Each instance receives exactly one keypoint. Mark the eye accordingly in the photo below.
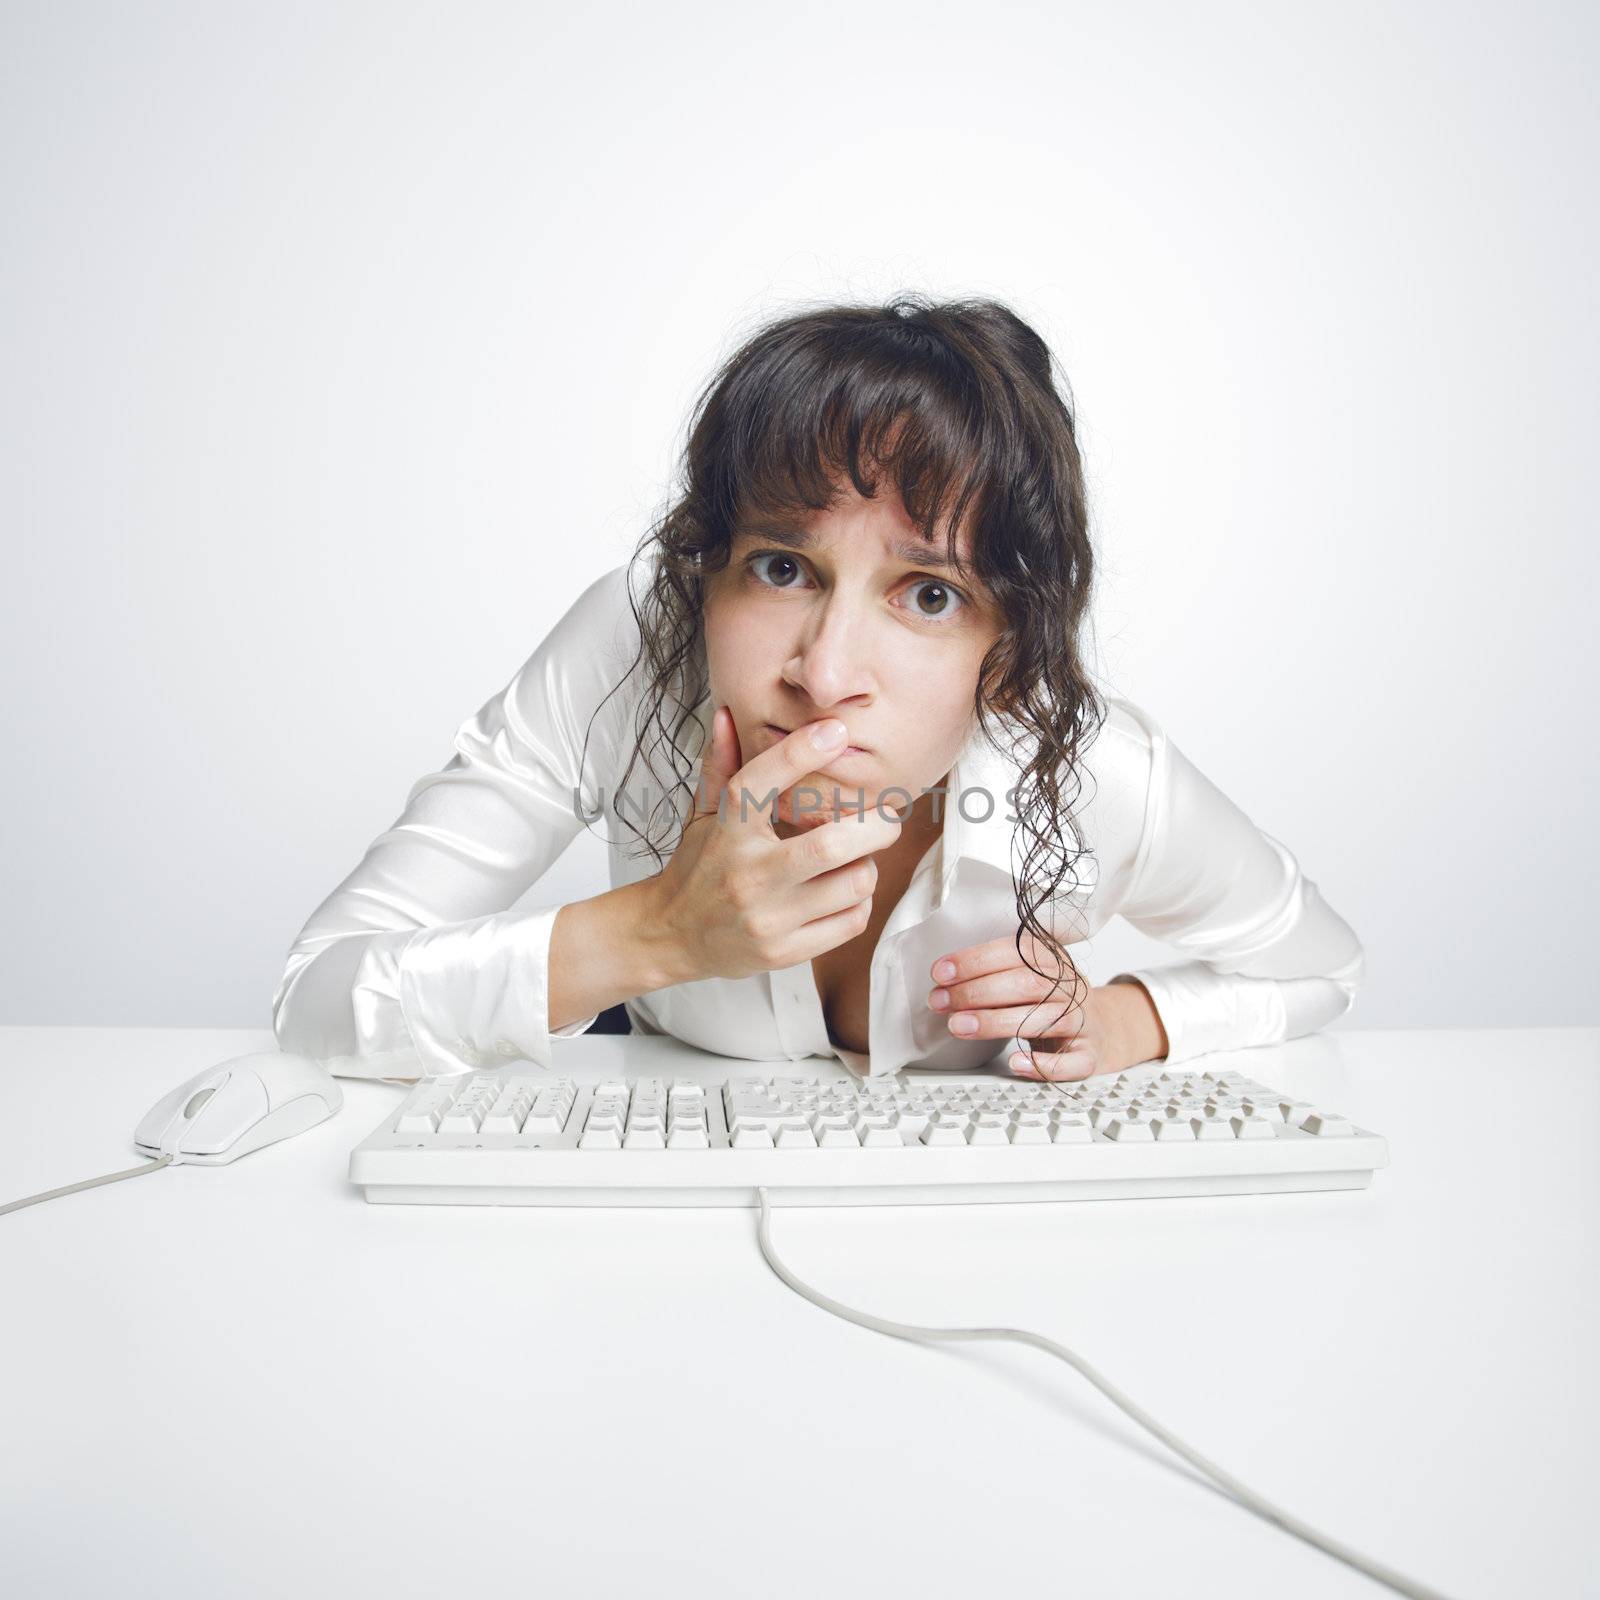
(943, 592)
(781, 559)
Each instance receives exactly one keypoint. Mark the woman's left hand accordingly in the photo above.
(990, 994)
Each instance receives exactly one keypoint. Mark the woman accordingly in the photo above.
(881, 531)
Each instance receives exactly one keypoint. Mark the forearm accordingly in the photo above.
(606, 950)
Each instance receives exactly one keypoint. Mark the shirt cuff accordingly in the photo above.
(477, 994)
(1204, 1010)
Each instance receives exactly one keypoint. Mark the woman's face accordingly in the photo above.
(849, 613)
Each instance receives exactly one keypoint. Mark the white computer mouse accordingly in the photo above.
(237, 1106)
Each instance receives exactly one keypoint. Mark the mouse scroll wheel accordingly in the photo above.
(198, 1100)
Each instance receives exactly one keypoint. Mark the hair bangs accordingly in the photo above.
(881, 407)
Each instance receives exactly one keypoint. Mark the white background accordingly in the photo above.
(343, 345)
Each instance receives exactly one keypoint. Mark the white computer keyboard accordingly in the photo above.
(711, 1135)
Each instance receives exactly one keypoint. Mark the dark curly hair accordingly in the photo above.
(956, 403)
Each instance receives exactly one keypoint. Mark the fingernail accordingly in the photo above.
(827, 734)
(1022, 1064)
(964, 1022)
(945, 971)
(939, 999)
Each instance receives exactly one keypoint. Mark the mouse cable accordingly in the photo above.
(1246, 1497)
(89, 1183)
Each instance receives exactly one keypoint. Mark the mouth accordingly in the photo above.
(849, 749)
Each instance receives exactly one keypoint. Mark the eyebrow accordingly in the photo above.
(912, 551)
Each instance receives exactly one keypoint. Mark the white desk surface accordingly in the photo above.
(246, 1381)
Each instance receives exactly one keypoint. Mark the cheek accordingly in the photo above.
(935, 703)
(729, 648)
(733, 621)
(739, 659)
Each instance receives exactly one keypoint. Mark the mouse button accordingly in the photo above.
(235, 1107)
(166, 1121)
(287, 1077)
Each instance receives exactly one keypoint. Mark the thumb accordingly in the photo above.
(719, 761)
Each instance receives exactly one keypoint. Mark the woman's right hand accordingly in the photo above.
(735, 899)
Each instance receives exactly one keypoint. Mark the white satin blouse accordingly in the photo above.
(423, 959)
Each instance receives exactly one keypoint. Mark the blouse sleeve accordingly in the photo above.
(1268, 958)
(415, 960)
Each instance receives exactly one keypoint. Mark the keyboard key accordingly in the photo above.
(838, 1138)
(992, 1132)
(1327, 1126)
(508, 1120)
(1264, 1106)
(1072, 1130)
(876, 1137)
(1127, 1130)
(1246, 1127)
(512, 1105)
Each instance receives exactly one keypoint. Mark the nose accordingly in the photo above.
(830, 666)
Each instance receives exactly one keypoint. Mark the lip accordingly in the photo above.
(849, 749)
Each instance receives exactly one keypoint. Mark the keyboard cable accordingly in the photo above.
(1246, 1497)
(910, 1330)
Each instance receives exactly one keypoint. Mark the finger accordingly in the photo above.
(822, 797)
(960, 966)
(756, 786)
(812, 855)
(1006, 1022)
(1071, 1065)
(835, 890)
(815, 938)
(1014, 986)
(718, 763)
(993, 955)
